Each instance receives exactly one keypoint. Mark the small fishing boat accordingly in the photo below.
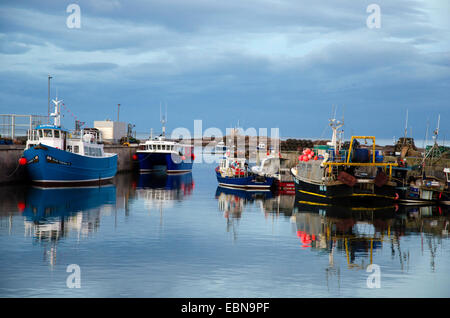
(333, 175)
(159, 153)
(235, 173)
(428, 186)
(55, 157)
(273, 165)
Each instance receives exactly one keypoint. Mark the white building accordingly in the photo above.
(112, 131)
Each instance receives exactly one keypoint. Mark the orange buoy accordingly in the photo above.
(135, 157)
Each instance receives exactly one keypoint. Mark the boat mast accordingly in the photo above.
(163, 119)
(56, 114)
(431, 153)
(406, 124)
(436, 131)
(335, 125)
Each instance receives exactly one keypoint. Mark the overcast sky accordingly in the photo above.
(266, 63)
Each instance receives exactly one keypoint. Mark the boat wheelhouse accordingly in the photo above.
(55, 156)
(220, 148)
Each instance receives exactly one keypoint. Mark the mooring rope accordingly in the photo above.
(18, 165)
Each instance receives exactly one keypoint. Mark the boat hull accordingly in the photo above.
(423, 196)
(171, 163)
(55, 167)
(251, 182)
(341, 193)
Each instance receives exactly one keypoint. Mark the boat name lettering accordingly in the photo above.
(53, 160)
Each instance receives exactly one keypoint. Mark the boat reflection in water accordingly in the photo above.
(50, 214)
(358, 233)
(232, 202)
(159, 190)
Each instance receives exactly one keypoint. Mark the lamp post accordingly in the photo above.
(118, 110)
(48, 108)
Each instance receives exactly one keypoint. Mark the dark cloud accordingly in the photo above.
(267, 63)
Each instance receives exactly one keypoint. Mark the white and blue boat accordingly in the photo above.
(159, 153)
(235, 173)
(55, 157)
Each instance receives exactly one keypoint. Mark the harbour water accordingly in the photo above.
(181, 236)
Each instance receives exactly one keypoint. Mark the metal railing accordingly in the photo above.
(13, 125)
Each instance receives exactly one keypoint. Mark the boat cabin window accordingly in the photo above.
(40, 133)
(48, 133)
(76, 149)
(69, 148)
(56, 133)
(92, 151)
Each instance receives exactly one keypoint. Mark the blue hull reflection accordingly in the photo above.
(160, 180)
(46, 203)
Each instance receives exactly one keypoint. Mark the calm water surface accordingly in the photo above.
(181, 236)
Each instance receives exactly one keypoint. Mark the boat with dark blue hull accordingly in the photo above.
(159, 153)
(54, 157)
(234, 173)
(165, 155)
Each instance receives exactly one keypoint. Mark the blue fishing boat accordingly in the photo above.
(55, 157)
(235, 173)
(160, 153)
